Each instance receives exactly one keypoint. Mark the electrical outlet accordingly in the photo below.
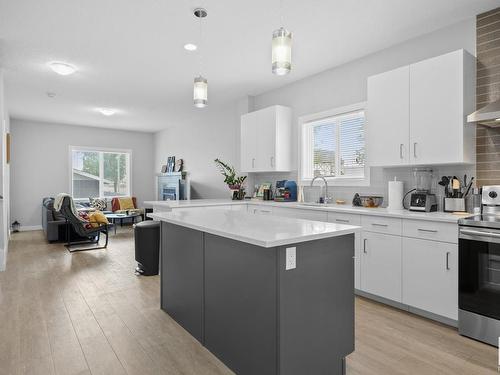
(291, 258)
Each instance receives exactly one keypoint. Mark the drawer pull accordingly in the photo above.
(342, 220)
(364, 246)
(427, 230)
(447, 261)
(380, 225)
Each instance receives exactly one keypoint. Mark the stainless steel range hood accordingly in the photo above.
(488, 115)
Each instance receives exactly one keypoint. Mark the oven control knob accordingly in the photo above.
(493, 194)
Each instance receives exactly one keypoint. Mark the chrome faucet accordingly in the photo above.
(326, 198)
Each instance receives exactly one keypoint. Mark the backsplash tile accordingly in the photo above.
(488, 90)
(379, 177)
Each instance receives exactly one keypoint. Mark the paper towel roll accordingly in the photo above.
(395, 189)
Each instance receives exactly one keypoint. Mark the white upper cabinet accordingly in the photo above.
(266, 140)
(417, 114)
(388, 118)
(441, 96)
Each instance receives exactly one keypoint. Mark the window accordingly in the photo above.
(333, 145)
(99, 173)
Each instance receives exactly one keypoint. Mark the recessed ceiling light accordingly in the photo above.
(190, 47)
(62, 68)
(107, 111)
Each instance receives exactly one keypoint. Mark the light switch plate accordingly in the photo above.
(291, 258)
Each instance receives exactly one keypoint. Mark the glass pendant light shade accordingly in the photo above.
(282, 51)
(200, 92)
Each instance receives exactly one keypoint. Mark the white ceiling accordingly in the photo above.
(130, 53)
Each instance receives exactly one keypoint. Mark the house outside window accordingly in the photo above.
(99, 172)
(332, 145)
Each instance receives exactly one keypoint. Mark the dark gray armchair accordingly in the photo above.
(53, 223)
(91, 234)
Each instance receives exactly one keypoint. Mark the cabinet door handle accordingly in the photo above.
(415, 150)
(447, 261)
(342, 220)
(427, 230)
(253, 162)
(272, 161)
(380, 225)
(401, 151)
(364, 246)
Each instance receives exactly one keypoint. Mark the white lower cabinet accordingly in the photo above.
(381, 265)
(430, 276)
(351, 219)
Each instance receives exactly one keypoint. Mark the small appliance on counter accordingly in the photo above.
(479, 270)
(421, 198)
(286, 191)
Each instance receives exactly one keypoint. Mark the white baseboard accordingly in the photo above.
(26, 228)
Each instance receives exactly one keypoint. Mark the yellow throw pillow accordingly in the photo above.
(126, 203)
(97, 218)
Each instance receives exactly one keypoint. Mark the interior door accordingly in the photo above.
(436, 110)
(430, 276)
(248, 142)
(381, 265)
(266, 140)
(388, 118)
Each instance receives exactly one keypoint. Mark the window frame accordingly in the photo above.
(101, 172)
(304, 147)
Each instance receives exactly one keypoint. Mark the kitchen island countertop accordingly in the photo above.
(264, 231)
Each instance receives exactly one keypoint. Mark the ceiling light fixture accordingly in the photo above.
(62, 68)
(200, 87)
(281, 49)
(107, 111)
(190, 47)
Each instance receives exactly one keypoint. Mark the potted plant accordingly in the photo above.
(235, 183)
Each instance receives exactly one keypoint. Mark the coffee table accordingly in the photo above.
(120, 217)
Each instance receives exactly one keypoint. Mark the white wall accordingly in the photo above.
(210, 134)
(40, 162)
(346, 85)
(5, 179)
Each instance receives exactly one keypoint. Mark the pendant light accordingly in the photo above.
(200, 88)
(281, 49)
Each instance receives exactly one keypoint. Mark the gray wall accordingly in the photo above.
(346, 85)
(40, 162)
(212, 132)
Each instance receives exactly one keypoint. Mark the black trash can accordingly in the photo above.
(147, 247)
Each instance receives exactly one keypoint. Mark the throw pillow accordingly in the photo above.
(97, 218)
(126, 203)
(98, 203)
(85, 216)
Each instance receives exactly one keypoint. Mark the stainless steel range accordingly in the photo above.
(479, 271)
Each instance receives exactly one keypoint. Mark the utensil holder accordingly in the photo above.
(454, 205)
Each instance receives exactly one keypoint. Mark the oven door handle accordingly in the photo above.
(471, 232)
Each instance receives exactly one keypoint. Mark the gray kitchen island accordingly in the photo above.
(266, 295)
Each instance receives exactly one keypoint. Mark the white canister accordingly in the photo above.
(395, 189)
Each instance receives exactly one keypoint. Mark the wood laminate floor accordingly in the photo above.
(87, 313)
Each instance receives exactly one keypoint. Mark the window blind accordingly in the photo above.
(335, 146)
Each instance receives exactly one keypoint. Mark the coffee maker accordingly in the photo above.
(421, 198)
(286, 191)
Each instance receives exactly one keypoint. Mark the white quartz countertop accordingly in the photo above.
(403, 214)
(260, 230)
